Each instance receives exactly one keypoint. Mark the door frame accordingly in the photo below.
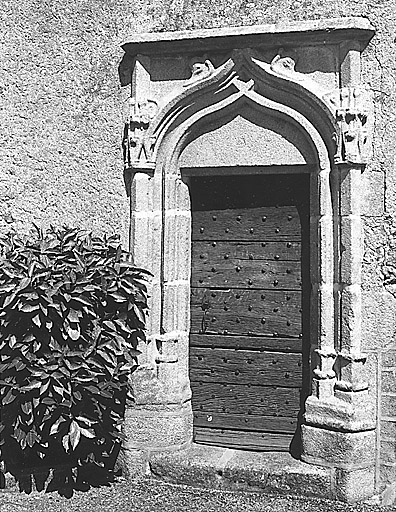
(161, 231)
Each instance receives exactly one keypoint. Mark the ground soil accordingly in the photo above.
(151, 495)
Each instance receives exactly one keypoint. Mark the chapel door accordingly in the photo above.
(249, 308)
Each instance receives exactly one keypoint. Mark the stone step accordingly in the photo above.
(228, 469)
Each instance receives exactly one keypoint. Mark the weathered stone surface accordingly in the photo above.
(356, 485)
(351, 228)
(133, 463)
(62, 163)
(276, 473)
(351, 317)
(353, 413)
(388, 381)
(223, 468)
(378, 321)
(372, 376)
(353, 375)
(388, 451)
(323, 389)
(255, 32)
(389, 358)
(373, 188)
(388, 495)
(248, 139)
(347, 450)
(351, 187)
(199, 466)
(177, 306)
(156, 427)
(375, 246)
(388, 405)
(388, 481)
(388, 429)
(176, 384)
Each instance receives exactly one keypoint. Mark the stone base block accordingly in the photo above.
(353, 486)
(276, 473)
(158, 427)
(344, 450)
(133, 463)
(152, 429)
(166, 384)
(355, 415)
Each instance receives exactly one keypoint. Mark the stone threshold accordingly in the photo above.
(239, 470)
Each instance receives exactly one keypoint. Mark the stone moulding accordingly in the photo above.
(271, 35)
(240, 70)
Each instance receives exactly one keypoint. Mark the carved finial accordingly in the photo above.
(201, 67)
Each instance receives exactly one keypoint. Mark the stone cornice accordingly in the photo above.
(333, 30)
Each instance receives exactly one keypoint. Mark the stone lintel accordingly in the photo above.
(332, 30)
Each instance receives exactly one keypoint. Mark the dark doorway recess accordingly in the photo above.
(249, 340)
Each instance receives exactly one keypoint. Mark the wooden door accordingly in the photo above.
(249, 287)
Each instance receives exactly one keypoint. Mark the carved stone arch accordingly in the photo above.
(192, 110)
(335, 125)
(233, 105)
(298, 98)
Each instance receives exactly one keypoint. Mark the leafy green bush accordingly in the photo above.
(72, 311)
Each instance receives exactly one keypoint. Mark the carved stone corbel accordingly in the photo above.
(352, 108)
(137, 144)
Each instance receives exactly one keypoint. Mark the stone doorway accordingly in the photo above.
(262, 100)
(249, 337)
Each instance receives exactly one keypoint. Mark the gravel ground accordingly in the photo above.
(151, 495)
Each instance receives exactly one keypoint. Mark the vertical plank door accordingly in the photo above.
(250, 273)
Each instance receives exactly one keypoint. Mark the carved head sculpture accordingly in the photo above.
(201, 67)
(148, 109)
(142, 111)
(285, 61)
